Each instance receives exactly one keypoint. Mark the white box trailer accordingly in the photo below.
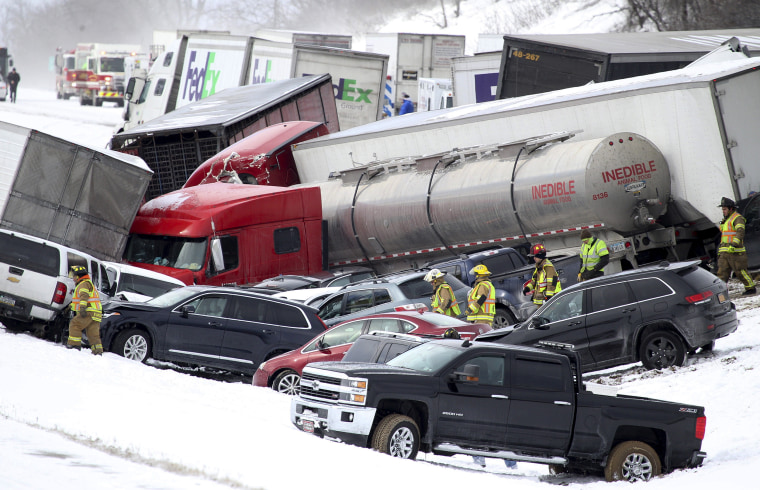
(67, 193)
(703, 118)
(434, 94)
(411, 57)
(475, 77)
(358, 80)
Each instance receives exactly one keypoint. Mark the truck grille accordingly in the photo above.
(173, 162)
(320, 387)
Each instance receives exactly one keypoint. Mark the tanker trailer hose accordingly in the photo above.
(512, 195)
(427, 208)
(353, 224)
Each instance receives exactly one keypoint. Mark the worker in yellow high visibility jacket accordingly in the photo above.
(443, 300)
(594, 256)
(88, 312)
(481, 300)
(545, 282)
(732, 256)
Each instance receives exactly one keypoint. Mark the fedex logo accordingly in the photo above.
(200, 78)
(345, 90)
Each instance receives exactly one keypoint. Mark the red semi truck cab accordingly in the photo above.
(229, 234)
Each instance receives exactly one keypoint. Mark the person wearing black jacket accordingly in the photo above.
(13, 79)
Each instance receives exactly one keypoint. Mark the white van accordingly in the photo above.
(35, 288)
(129, 283)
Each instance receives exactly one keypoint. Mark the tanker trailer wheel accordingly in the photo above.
(503, 318)
(632, 461)
(662, 349)
(397, 435)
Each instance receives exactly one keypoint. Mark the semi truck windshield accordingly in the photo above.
(179, 253)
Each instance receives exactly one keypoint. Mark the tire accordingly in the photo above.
(632, 461)
(133, 344)
(397, 435)
(98, 102)
(662, 349)
(503, 318)
(557, 469)
(288, 382)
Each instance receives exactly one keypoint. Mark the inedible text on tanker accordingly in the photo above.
(555, 192)
(630, 173)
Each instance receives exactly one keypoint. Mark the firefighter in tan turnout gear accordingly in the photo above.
(545, 282)
(443, 300)
(87, 312)
(481, 300)
(732, 256)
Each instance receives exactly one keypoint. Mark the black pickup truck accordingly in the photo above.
(509, 270)
(520, 403)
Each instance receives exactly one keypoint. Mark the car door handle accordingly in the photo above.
(503, 397)
(268, 332)
(560, 402)
(215, 324)
(629, 310)
(575, 323)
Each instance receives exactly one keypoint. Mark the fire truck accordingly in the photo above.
(99, 73)
(65, 62)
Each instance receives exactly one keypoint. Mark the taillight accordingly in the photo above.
(699, 433)
(697, 299)
(60, 293)
(418, 307)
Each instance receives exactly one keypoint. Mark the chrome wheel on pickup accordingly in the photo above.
(397, 435)
(632, 461)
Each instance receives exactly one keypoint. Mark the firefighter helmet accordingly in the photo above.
(538, 250)
(480, 270)
(78, 271)
(727, 203)
(433, 275)
(450, 333)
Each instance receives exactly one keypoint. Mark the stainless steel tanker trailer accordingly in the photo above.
(402, 212)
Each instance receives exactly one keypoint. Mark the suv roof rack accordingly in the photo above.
(556, 345)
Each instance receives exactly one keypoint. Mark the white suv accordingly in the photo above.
(35, 288)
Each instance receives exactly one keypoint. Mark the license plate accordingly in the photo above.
(308, 426)
(7, 301)
(618, 246)
(721, 297)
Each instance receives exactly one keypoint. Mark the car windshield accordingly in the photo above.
(179, 253)
(426, 358)
(172, 297)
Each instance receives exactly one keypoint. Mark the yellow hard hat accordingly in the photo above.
(480, 270)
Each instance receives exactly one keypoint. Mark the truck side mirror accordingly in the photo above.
(217, 258)
(470, 373)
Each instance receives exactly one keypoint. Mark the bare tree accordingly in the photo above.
(673, 15)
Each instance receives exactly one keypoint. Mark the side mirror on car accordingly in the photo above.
(186, 310)
(470, 373)
(538, 323)
(321, 343)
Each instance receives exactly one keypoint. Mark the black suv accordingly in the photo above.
(222, 328)
(654, 314)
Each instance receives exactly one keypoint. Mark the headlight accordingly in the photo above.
(354, 391)
(358, 383)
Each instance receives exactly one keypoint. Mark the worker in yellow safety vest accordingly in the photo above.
(732, 256)
(481, 300)
(594, 256)
(545, 282)
(443, 300)
(87, 310)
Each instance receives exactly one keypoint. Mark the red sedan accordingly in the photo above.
(283, 373)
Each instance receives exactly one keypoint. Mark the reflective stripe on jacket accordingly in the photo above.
(94, 307)
(732, 234)
(481, 313)
(591, 253)
(453, 309)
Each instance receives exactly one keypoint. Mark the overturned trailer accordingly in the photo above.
(702, 118)
(68, 193)
(177, 143)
